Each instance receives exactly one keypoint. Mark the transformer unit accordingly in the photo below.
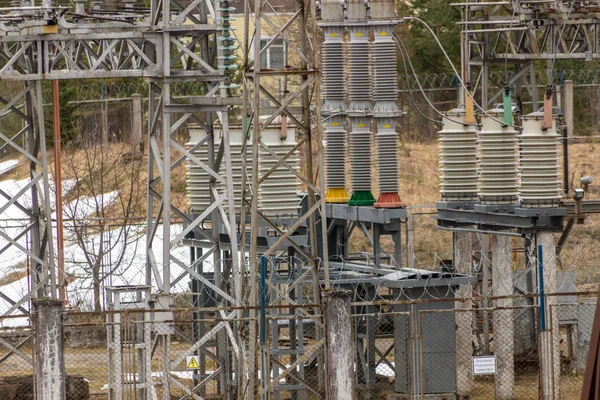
(540, 186)
(198, 189)
(498, 157)
(278, 195)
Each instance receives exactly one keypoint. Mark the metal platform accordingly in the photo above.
(488, 218)
(374, 222)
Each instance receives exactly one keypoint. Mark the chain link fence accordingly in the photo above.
(399, 349)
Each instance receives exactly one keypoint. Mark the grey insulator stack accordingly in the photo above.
(385, 74)
(387, 149)
(279, 192)
(198, 180)
(498, 156)
(540, 184)
(332, 71)
(335, 137)
(198, 190)
(359, 78)
(359, 96)
(360, 154)
(458, 158)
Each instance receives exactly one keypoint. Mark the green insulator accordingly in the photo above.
(226, 9)
(231, 57)
(226, 19)
(226, 28)
(361, 198)
(232, 66)
(225, 48)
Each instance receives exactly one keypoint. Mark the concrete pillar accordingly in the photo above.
(136, 122)
(569, 109)
(546, 240)
(340, 363)
(49, 362)
(502, 285)
(80, 6)
(462, 243)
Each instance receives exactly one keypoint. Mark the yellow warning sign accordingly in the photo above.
(382, 33)
(359, 34)
(192, 362)
(335, 123)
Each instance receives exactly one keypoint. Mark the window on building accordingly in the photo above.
(275, 57)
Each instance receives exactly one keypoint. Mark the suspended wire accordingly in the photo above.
(410, 91)
(462, 83)
(507, 42)
(405, 58)
(562, 31)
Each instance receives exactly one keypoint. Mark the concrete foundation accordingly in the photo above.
(502, 285)
(22, 388)
(49, 362)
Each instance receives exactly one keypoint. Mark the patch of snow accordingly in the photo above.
(6, 166)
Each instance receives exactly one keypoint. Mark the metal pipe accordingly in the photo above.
(541, 288)
(60, 251)
(263, 300)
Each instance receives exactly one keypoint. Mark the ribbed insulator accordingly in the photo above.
(227, 58)
(387, 150)
(360, 154)
(498, 157)
(279, 192)
(385, 75)
(540, 184)
(332, 71)
(359, 79)
(198, 185)
(458, 158)
(198, 190)
(335, 162)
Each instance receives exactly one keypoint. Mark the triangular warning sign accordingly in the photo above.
(193, 364)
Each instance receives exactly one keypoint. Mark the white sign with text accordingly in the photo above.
(484, 365)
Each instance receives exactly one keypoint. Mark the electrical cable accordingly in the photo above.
(562, 31)
(406, 57)
(456, 72)
(412, 99)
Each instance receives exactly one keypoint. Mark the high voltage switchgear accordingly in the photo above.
(358, 40)
(498, 158)
(540, 186)
(458, 158)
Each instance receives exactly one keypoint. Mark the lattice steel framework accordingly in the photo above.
(299, 32)
(518, 33)
(168, 43)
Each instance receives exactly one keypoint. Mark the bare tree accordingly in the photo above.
(101, 208)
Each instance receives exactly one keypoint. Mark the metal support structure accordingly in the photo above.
(300, 74)
(517, 33)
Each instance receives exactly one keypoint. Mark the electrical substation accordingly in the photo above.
(285, 118)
